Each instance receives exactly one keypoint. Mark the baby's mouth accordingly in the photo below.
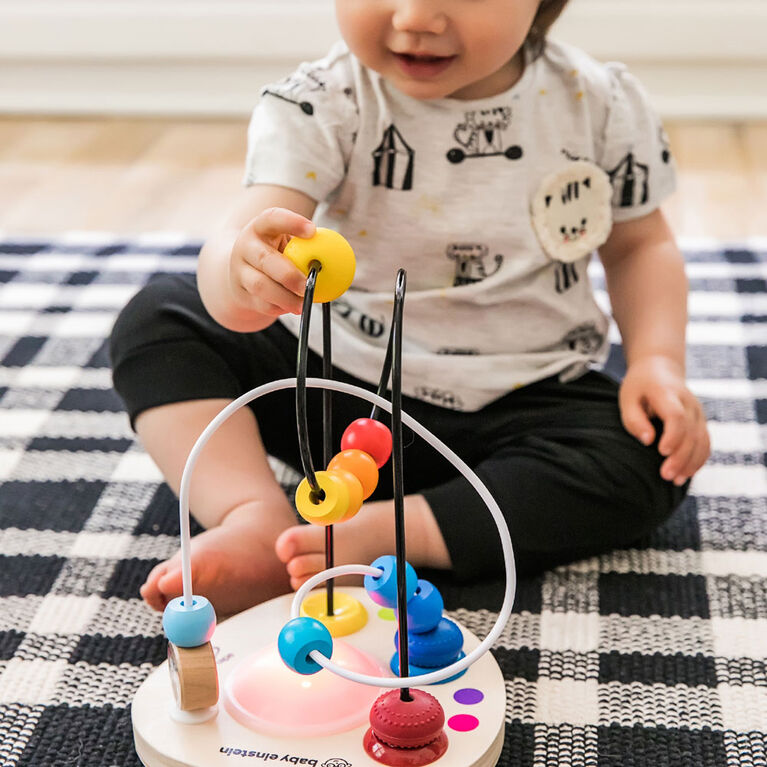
(423, 65)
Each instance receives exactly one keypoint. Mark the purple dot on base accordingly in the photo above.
(468, 696)
(463, 722)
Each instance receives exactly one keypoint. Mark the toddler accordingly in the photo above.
(451, 138)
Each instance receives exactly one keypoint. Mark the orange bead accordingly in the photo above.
(332, 507)
(355, 493)
(359, 463)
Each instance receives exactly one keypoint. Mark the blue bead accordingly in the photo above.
(424, 610)
(298, 638)
(189, 628)
(419, 670)
(383, 589)
(435, 648)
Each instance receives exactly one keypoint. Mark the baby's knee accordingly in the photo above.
(145, 318)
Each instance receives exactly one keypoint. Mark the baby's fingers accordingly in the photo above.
(673, 468)
(274, 222)
(699, 455)
(276, 267)
(266, 295)
(675, 422)
(635, 419)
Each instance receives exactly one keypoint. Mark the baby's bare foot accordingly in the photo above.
(366, 536)
(302, 549)
(369, 534)
(234, 565)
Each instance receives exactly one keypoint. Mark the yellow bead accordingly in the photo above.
(332, 507)
(336, 258)
(359, 463)
(355, 492)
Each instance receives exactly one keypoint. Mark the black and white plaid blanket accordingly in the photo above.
(650, 656)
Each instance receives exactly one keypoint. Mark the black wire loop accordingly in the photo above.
(397, 472)
(392, 365)
(317, 494)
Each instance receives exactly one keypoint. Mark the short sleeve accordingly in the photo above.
(302, 131)
(635, 149)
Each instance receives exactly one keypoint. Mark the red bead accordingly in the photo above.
(407, 724)
(370, 436)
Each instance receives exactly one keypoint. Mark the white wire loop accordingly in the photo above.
(440, 447)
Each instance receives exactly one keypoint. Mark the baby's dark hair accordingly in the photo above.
(547, 14)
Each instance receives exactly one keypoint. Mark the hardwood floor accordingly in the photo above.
(140, 175)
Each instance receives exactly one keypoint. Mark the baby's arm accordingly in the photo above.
(648, 291)
(244, 281)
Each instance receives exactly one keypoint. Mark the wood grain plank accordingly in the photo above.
(131, 175)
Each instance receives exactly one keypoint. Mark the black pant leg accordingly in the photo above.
(166, 348)
(571, 482)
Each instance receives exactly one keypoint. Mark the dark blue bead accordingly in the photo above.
(418, 670)
(424, 610)
(435, 648)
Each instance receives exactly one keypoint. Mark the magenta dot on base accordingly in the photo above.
(463, 722)
(468, 696)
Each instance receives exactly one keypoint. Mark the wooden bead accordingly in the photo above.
(332, 507)
(436, 648)
(355, 493)
(359, 463)
(298, 638)
(382, 589)
(189, 626)
(424, 609)
(336, 259)
(193, 676)
(371, 436)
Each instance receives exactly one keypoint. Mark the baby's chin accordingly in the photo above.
(423, 91)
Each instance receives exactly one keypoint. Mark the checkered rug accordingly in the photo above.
(650, 656)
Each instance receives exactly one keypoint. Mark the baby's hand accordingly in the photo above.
(654, 386)
(261, 278)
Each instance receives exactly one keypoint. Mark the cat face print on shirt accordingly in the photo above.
(571, 211)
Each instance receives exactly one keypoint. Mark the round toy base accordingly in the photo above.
(197, 716)
(474, 730)
(348, 617)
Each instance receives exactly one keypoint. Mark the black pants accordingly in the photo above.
(569, 479)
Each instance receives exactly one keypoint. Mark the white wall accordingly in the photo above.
(698, 58)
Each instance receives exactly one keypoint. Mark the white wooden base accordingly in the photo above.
(162, 741)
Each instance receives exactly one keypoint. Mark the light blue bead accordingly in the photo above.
(435, 648)
(383, 589)
(419, 670)
(298, 638)
(189, 628)
(424, 610)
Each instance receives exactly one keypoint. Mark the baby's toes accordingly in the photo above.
(150, 591)
(299, 540)
(306, 565)
(170, 585)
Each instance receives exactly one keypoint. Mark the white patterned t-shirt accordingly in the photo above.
(492, 206)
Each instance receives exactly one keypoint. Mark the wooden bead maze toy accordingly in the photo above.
(310, 678)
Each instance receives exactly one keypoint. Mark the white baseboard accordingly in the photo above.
(698, 58)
